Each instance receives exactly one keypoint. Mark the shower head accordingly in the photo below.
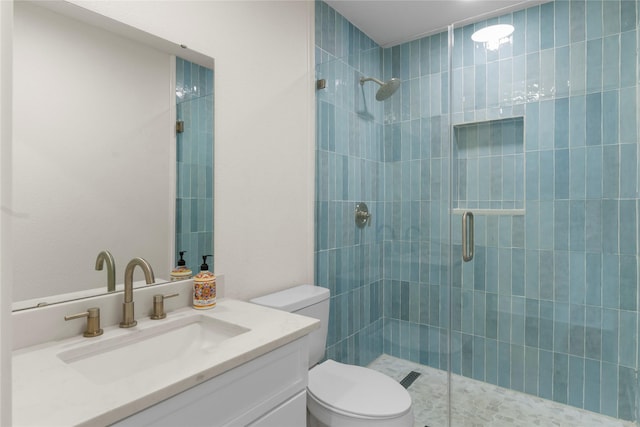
(387, 88)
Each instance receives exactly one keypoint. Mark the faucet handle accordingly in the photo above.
(158, 306)
(93, 321)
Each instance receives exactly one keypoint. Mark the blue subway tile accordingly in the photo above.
(628, 171)
(548, 133)
(504, 364)
(609, 389)
(611, 280)
(561, 164)
(628, 283)
(610, 335)
(593, 333)
(628, 62)
(478, 359)
(578, 67)
(545, 376)
(610, 17)
(560, 377)
(593, 282)
(561, 123)
(611, 171)
(561, 23)
(577, 330)
(611, 62)
(491, 361)
(517, 367)
(545, 325)
(546, 174)
(594, 173)
(561, 328)
(592, 385)
(628, 116)
(577, 20)
(562, 69)
(547, 24)
(628, 15)
(594, 20)
(577, 225)
(576, 381)
(594, 65)
(627, 393)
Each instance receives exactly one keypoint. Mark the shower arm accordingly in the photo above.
(370, 79)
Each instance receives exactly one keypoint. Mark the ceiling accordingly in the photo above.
(391, 22)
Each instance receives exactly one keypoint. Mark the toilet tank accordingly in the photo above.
(306, 300)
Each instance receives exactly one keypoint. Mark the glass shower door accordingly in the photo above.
(544, 165)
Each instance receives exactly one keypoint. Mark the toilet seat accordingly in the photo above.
(357, 392)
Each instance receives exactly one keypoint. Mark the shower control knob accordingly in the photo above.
(362, 215)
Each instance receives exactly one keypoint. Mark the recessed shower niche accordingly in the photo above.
(488, 175)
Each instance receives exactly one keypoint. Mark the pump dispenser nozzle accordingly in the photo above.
(181, 261)
(204, 266)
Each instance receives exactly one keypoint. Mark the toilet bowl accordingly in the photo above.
(341, 395)
(353, 396)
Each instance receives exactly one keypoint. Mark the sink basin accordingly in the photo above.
(133, 351)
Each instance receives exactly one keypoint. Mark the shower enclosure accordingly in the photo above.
(532, 140)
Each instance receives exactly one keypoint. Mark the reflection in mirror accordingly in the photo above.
(194, 202)
(94, 166)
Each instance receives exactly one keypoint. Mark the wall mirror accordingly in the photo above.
(94, 152)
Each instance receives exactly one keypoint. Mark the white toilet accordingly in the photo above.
(340, 395)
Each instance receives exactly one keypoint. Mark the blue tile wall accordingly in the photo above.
(350, 156)
(573, 255)
(194, 195)
(549, 306)
(489, 165)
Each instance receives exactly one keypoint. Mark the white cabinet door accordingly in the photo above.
(237, 397)
(292, 413)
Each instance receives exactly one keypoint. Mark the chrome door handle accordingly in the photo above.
(467, 236)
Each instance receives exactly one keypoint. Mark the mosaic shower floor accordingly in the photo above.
(478, 404)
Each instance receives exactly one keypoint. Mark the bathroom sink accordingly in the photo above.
(136, 350)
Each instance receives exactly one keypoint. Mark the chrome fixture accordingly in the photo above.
(158, 306)
(128, 319)
(105, 256)
(93, 322)
(362, 215)
(321, 84)
(387, 88)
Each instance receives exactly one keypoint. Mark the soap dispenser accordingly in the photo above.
(204, 287)
(181, 272)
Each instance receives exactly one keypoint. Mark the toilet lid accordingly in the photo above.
(357, 390)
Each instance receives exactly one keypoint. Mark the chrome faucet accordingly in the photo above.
(105, 256)
(128, 320)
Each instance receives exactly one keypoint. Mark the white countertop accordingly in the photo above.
(47, 391)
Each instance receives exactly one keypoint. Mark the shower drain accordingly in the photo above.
(409, 379)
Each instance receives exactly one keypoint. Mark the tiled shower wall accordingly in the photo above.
(549, 306)
(194, 199)
(350, 169)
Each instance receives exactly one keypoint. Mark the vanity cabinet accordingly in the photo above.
(267, 391)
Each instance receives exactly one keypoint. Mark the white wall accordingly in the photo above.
(264, 104)
(92, 154)
(6, 41)
(264, 137)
